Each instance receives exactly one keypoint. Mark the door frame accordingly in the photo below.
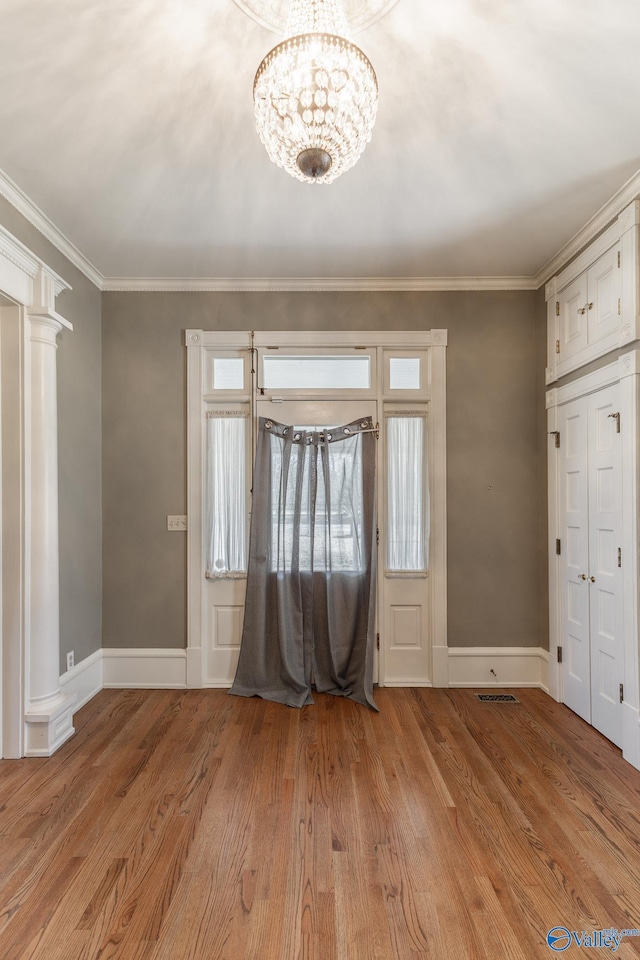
(200, 347)
(625, 370)
(35, 716)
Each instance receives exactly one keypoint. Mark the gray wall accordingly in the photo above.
(495, 438)
(79, 446)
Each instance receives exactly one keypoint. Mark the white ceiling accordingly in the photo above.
(503, 126)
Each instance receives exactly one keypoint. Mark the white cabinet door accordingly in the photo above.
(573, 317)
(587, 319)
(605, 577)
(603, 291)
(590, 494)
(574, 520)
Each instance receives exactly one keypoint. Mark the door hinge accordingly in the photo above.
(621, 692)
(619, 556)
(616, 417)
(377, 536)
(559, 654)
(557, 346)
(377, 641)
(619, 305)
(556, 435)
(558, 547)
(618, 258)
(557, 313)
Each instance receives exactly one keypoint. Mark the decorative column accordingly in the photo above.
(48, 712)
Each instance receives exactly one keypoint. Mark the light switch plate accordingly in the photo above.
(176, 523)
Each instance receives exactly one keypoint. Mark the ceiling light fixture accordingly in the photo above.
(315, 95)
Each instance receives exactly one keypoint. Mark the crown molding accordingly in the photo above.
(18, 199)
(304, 284)
(601, 219)
(605, 215)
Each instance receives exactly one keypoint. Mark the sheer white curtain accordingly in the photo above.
(407, 492)
(225, 499)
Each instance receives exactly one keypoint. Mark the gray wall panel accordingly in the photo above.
(495, 370)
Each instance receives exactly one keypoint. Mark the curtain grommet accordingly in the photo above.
(268, 425)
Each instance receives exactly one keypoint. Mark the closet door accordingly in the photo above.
(605, 577)
(574, 533)
(590, 491)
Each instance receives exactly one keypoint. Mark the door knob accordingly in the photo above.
(582, 576)
(593, 579)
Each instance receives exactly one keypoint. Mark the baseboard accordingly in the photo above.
(631, 734)
(84, 680)
(144, 668)
(159, 668)
(498, 667)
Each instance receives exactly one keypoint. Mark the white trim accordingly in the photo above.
(37, 717)
(607, 212)
(513, 667)
(241, 340)
(31, 212)
(199, 345)
(314, 284)
(84, 680)
(153, 668)
(591, 382)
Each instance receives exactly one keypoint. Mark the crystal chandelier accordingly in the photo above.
(315, 95)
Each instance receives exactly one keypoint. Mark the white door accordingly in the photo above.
(574, 540)
(605, 577)
(224, 601)
(603, 289)
(590, 510)
(573, 321)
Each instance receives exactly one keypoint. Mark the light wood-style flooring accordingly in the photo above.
(191, 825)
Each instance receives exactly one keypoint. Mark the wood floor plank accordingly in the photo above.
(191, 825)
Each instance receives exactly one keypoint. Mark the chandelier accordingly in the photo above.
(315, 95)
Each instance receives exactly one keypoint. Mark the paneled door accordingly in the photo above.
(590, 491)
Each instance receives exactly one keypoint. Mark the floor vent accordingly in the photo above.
(497, 697)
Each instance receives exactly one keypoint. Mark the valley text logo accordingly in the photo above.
(559, 938)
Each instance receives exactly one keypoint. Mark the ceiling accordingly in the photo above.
(503, 126)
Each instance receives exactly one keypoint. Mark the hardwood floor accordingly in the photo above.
(190, 825)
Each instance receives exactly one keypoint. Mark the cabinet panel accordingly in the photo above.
(604, 292)
(573, 318)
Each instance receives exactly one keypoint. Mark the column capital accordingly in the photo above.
(48, 317)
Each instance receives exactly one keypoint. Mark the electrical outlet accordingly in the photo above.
(70, 660)
(176, 523)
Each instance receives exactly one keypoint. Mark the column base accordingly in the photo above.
(48, 725)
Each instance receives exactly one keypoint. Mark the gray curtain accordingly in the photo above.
(310, 604)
